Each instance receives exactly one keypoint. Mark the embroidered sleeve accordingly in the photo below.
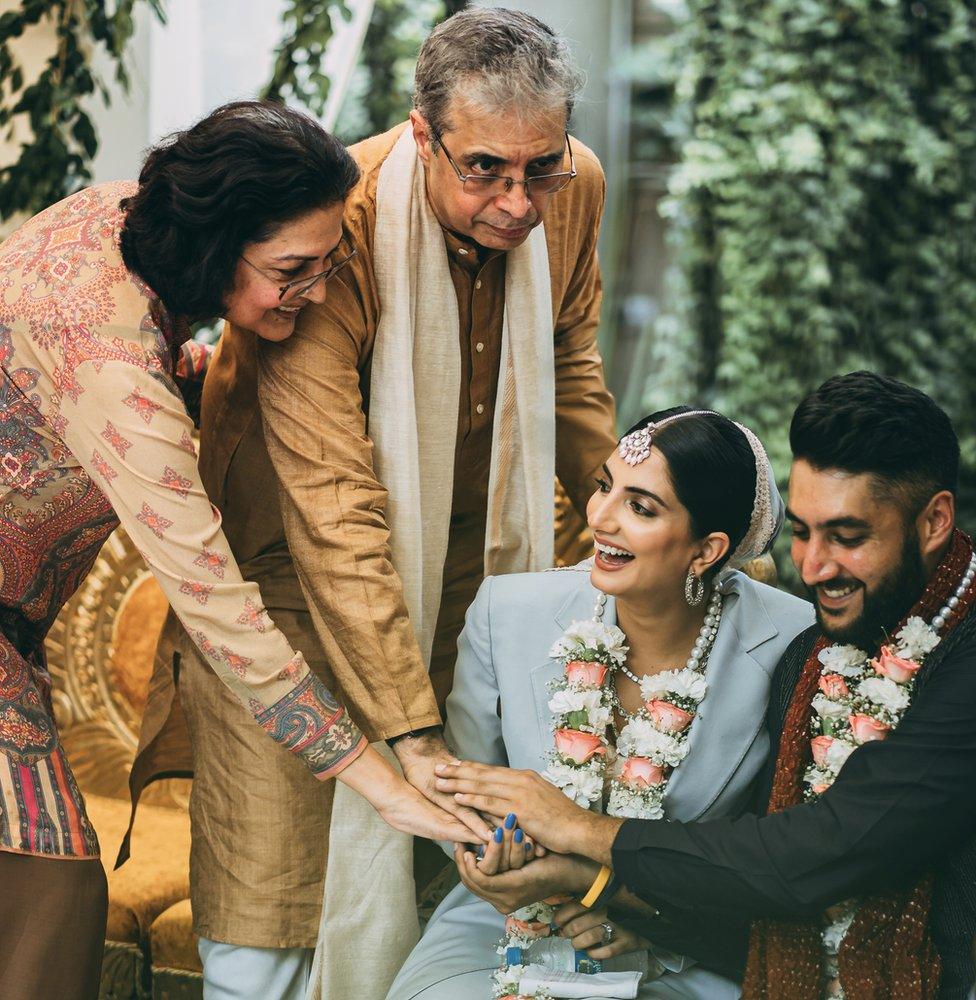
(132, 435)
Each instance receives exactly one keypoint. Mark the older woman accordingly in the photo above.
(675, 728)
(240, 216)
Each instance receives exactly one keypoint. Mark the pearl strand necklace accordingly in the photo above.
(950, 606)
(703, 644)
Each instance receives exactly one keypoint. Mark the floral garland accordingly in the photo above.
(860, 700)
(651, 744)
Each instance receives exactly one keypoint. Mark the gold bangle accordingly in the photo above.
(599, 884)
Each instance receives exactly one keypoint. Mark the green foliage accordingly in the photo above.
(57, 161)
(380, 93)
(383, 89)
(823, 206)
(298, 72)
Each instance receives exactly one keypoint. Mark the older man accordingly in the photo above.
(400, 443)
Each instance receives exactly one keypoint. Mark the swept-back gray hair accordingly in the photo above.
(497, 60)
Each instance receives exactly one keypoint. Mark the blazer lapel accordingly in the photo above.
(578, 606)
(733, 710)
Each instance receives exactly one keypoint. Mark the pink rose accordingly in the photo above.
(584, 674)
(668, 718)
(819, 789)
(641, 772)
(894, 667)
(577, 746)
(866, 729)
(530, 928)
(834, 686)
(820, 747)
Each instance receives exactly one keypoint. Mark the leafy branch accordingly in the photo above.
(57, 161)
(298, 62)
(380, 95)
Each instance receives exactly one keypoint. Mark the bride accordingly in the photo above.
(687, 499)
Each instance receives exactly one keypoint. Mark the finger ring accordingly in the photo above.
(607, 933)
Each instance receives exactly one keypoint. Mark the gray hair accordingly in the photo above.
(502, 60)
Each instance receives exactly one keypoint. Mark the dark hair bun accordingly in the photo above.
(712, 471)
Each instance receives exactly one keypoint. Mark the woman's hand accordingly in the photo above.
(587, 931)
(551, 875)
(508, 849)
(544, 812)
(399, 803)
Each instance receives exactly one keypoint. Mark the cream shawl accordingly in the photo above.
(415, 389)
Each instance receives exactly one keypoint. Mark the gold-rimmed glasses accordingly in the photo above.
(493, 185)
(298, 287)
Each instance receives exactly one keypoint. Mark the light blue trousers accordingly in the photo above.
(236, 972)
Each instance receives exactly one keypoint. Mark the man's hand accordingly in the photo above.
(587, 931)
(543, 811)
(418, 756)
(549, 876)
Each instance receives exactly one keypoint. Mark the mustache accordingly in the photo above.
(507, 224)
(838, 581)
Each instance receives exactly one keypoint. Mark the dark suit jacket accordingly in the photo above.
(899, 808)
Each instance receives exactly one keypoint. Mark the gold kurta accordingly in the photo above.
(304, 513)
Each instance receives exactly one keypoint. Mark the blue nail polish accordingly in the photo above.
(510, 821)
(499, 833)
(528, 846)
(518, 836)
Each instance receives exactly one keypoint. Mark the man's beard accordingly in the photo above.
(885, 606)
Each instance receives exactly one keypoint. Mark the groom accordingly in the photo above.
(872, 505)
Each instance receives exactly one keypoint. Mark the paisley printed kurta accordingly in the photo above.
(93, 432)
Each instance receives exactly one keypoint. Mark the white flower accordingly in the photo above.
(541, 912)
(838, 753)
(828, 709)
(581, 784)
(640, 738)
(915, 639)
(816, 777)
(848, 661)
(634, 804)
(507, 979)
(591, 634)
(567, 700)
(885, 692)
(685, 683)
(590, 700)
(834, 932)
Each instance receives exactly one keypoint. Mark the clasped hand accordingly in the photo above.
(544, 812)
(510, 876)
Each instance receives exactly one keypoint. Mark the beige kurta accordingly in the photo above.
(303, 510)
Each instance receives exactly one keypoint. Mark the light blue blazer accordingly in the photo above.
(498, 713)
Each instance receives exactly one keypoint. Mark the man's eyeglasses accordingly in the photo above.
(493, 185)
(295, 289)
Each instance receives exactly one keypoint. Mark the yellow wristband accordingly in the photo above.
(599, 884)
